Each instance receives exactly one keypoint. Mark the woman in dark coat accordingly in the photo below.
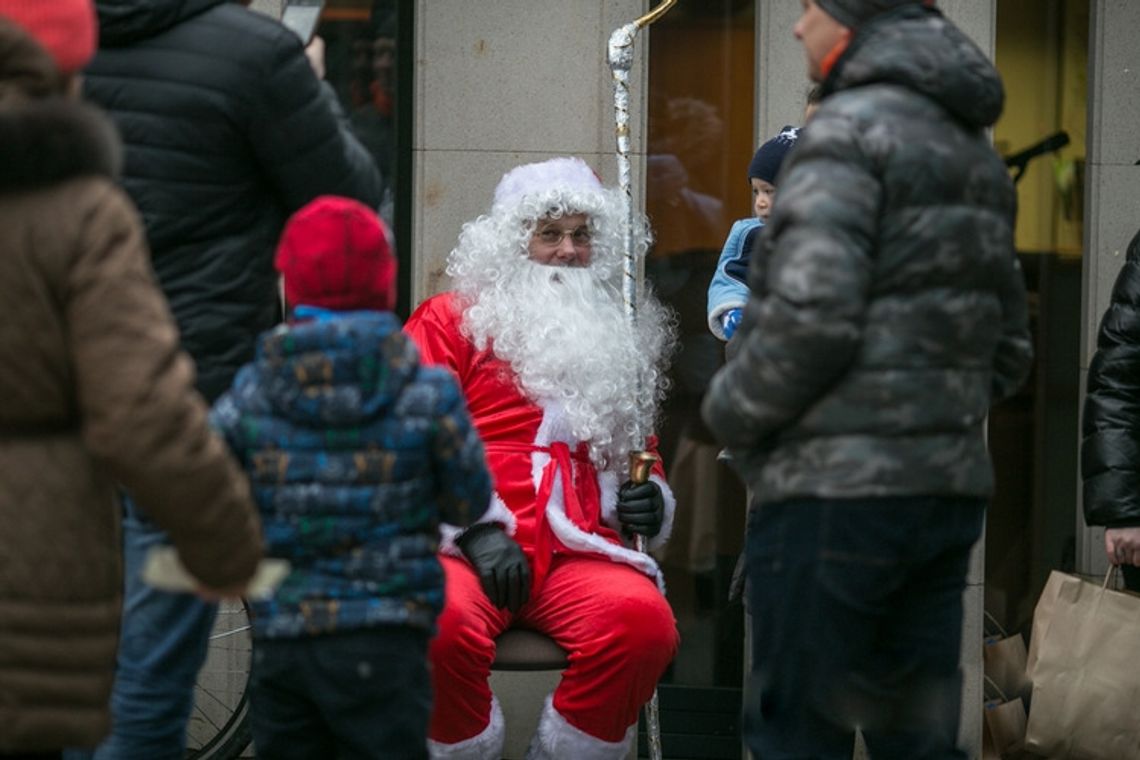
(1110, 445)
(94, 393)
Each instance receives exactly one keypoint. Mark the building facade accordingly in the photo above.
(451, 94)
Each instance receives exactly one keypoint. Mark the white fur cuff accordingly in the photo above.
(497, 512)
(670, 509)
(558, 740)
(486, 745)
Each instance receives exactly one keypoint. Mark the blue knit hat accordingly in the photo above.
(769, 157)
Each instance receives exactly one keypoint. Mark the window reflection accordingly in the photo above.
(700, 139)
(368, 61)
(360, 58)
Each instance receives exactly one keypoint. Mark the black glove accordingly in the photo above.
(500, 563)
(641, 508)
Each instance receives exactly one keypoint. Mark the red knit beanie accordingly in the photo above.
(334, 254)
(65, 28)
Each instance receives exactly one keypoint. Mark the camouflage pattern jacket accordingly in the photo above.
(1110, 461)
(355, 453)
(887, 309)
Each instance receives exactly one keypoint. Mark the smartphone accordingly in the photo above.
(302, 16)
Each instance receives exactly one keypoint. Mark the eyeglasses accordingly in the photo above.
(581, 237)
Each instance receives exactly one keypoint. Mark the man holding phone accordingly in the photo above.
(227, 131)
(302, 16)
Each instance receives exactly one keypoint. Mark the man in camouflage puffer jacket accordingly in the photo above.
(887, 314)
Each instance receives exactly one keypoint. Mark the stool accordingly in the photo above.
(527, 667)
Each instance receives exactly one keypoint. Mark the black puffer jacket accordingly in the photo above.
(227, 132)
(1110, 446)
(888, 310)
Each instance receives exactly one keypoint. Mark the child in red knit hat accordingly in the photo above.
(66, 29)
(335, 255)
(355, 452)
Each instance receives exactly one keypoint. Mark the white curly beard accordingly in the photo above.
(564, 333)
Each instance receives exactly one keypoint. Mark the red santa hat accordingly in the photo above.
(65, 28)
(565, 174)
(335, 254)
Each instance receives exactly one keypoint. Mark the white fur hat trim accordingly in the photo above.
(564, 173)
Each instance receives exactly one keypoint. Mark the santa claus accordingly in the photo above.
(560, 386)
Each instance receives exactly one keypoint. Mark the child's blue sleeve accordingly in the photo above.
(727, 290)
(463, 484)
(225, 416)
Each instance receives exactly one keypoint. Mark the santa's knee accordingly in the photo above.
(463, 644)
(645, 632)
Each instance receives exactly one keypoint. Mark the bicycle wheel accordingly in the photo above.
(219, 723)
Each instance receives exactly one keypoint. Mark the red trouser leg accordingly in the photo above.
(461, 654)
(617, 627)
(620, 633)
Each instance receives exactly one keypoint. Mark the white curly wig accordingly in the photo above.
(587, 365)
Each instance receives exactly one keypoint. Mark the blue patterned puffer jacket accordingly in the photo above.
(355, 453)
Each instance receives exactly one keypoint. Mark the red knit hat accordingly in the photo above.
(334, 254)
(65, 28)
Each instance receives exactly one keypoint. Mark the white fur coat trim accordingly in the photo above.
(554, 427)
(556, 739)
(486, 745)
(608, 487)
(496, 512)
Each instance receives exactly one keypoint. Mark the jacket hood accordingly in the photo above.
(336, 372)
(46, 138)
(918, 48)
(123, 22)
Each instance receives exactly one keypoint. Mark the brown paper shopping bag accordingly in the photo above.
(1003, 718)
(1086, 678)
(1003, 729)
(1042, 614)
(1004, 661)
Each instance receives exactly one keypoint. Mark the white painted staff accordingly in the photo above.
(621, 61)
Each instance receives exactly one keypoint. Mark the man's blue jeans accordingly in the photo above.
(162, 645)
(857, 617)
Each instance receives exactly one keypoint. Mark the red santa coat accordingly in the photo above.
(529, 451)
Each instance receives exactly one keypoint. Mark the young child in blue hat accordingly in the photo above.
(728, 290)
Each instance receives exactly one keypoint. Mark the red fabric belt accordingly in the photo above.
(561, 463)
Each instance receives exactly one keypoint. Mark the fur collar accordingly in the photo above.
(46, 141)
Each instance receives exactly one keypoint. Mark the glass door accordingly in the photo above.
(368, 62)
(700, 139)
